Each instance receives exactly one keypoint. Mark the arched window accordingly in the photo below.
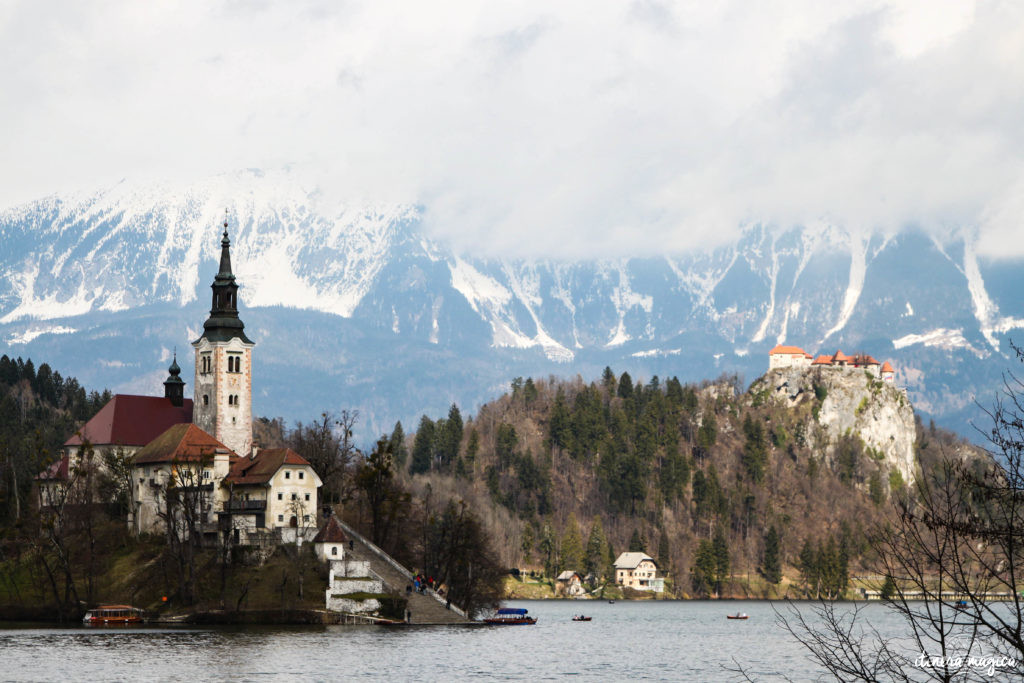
(206, 400)
(334, 550)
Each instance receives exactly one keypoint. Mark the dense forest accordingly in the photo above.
(39, 410)
(726, 490)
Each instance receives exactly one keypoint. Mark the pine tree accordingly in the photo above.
(505, 444)
(707, 435)
(560, 422)
(572, 546)
(423, 447)
(888, 588)
(636, 542)
(702, 575)
(754, 452)
(664, 552)
(529, 538)
(595, 556)
(472, 448)
(721, 551)
(397, 445)
(608, 380)
(530, 392)
(625, 386)
(809, 567)
(450, 438)
(772, 562)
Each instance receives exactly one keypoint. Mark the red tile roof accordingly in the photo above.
(788, 350)
(182, 442)
(822, 360)
(841, 357)
(261, 468)
(331, 533)
(58, 471)
(886, 367)
(129, 420)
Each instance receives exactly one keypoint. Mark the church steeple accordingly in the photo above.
(222, 401)
(174, 386)
(224, 323)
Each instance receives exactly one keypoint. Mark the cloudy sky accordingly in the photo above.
(565, 128)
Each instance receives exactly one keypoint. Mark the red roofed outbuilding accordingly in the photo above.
(888, 373)
(330, 541)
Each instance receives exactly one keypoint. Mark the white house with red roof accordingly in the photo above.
(788, 357)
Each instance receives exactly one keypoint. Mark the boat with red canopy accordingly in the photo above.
(113, 615)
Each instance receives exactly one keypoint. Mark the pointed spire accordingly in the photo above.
(224, 323)
(225, 253)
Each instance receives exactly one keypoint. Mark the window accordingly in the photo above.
(334, 550)
(287, 475)
(307, 496)
(280, 518)
(302, 475)
(294, 496)
(206, 400)
(280, 496)
(305, 518)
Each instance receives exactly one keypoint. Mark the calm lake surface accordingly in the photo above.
(626, 640)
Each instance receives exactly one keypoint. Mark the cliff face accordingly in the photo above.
(850, 401)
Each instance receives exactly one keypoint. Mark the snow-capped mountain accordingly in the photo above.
(353, 307)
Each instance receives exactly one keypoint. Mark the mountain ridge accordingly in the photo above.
(79, 266)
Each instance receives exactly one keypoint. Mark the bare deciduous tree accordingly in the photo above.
(952, 558)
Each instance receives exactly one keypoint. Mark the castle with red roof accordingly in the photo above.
(794, 357)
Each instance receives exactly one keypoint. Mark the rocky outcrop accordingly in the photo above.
(848, 401)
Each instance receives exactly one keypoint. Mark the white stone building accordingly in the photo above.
(638, 571)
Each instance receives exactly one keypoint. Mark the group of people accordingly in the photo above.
(421, 583)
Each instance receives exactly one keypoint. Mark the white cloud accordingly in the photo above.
(568, 128)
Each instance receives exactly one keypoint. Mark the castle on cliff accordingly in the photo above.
(794, 357)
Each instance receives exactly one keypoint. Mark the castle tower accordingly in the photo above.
(222, 405)
(174, 386)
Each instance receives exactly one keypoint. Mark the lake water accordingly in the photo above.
(625, 640)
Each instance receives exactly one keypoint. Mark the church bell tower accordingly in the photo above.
(222, 405)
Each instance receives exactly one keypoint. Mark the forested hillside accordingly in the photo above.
(727, 489)
(39, 409)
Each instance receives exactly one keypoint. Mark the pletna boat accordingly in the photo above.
(580, 617)
(510, 616)
(113, 615)
(736, 616)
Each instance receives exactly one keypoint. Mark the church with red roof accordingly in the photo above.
(200, 448)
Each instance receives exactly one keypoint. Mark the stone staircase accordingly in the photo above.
(426, 608)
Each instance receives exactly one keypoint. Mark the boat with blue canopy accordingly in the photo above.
(511, 616)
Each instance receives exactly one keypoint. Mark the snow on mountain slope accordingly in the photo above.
(91, 266)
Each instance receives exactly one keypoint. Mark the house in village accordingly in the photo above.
(638, 571)
(569, 583)
(794, 357)
(194, 460)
